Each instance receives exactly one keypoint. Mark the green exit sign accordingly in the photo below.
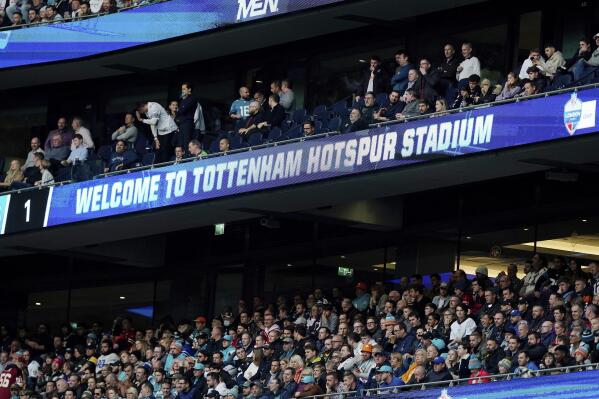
(219, 229)
(345, 271)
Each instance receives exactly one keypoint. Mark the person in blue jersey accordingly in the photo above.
(240, 109)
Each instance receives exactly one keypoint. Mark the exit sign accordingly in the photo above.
(345, 271)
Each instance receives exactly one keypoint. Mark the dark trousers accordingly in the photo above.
(185, 134)
(166, 147)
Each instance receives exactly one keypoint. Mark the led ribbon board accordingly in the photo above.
(134, 27)
(558, 117)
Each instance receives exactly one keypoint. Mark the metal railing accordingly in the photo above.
(82, 18)
(451, 383)
(318, 136)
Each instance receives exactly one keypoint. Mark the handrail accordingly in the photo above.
(317, 136)
(487, 105)
(451, 383)
(40, 187)
(85, 17)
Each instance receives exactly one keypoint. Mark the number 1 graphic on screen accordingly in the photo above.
(27, 206)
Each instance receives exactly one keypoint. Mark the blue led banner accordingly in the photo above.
(557, 117)
(138, 26)
(579, 385)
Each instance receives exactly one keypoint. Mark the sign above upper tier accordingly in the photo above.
(442, 137)
(143, 25)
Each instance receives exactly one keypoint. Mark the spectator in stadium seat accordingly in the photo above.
(14, 174)
(240, 109)
(413, 76)
(17, 19)
(555, 61)
(185, 115)
(35, 148)
(57, 151)
(172, 108)
(510, 89)
(529, 88)
(255, 118)
(428, 84)
(61, 128)
(108, 6)
(369, 108)
(52, 15)
(448, 70)
(584, 53)
(477, 372)
(259, 96)
(78, 128)
(179, 154)
(162, 125)
(439, 371)
(411, 107)
(287, 98)
(127, 132)
(399, 81)
(356, 123)
(486, 93)
(30, 175)
(534, 74)
(309, 129)
(374, 80)
(464, 99)
(423, 107)
(194, 148)
(470, 66)
(534, 59)
(33, 16)
(526, 366)
(83, 11)
(276, 115)
(583, 69)
(121, 158)
(224, 145)
(78, 151)
(389, 109)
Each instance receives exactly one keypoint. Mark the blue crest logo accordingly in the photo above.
(572, 114)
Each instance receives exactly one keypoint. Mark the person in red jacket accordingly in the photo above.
(477, 372)
(125, 338)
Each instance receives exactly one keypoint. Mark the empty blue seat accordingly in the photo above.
(236, 141)
(318, 126)
(334, 124)
(299, 116)
(295, 132)
(255, 139)
(274, 134)
(148, 159)
(381, 98)
(340, 109)
(104, 153)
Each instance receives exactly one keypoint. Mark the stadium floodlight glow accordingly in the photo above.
(584, 220)
(121, 297)
(468, 238)
(219, 229)
(525, 229)
(38, 304)
(362, 61)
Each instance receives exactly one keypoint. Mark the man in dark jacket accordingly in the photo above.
(375, 79)
(428, 83)
(439, 371)
(448, 70)
(121, 158)
(185, 115)
(493, 356)
(356, 123)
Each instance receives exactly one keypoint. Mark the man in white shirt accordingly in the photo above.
(534, 58)
(35, 147)
(470, 66)
(163, 127)
(78, 128)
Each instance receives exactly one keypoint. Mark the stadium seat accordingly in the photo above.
(322, 114)
(340, 109)
(381, 98)
(255, 139)
(141, 144)
(236, 142)
(318, 126)
(299, 116)
(295, 132)
(148, 159)
(274, 134)
(286, 125)
(334, 125)
(104, 153)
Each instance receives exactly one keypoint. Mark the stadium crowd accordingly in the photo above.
(324, 342)
(152, 133)
(24, 13)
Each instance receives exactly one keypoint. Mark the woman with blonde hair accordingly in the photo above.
(13, 174)
(131, 393)
(418, 360)
(297, 364)
(452, 363)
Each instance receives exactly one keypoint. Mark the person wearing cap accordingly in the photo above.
(439, 371)
(310, 387)
(198, 381)
(228, 350)
(362, 299)
(387, 379)
(365, 364)
(380, 359)
(200, 327)
(581, 358)
(477, 372)
(288, 349)
(442, 300)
